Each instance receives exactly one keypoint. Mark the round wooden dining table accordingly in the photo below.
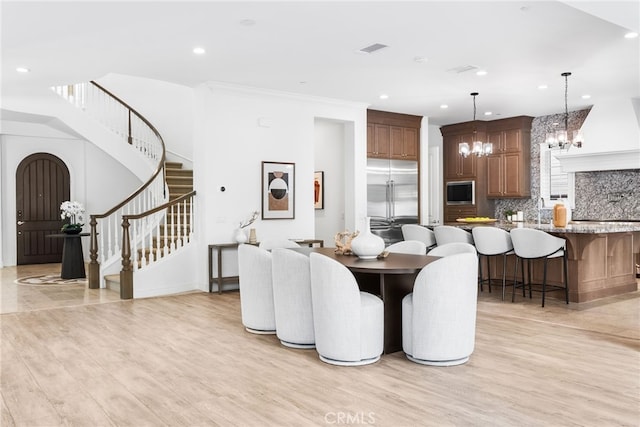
(391, 278)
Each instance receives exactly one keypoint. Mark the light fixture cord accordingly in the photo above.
(566, 106)
(474, 108)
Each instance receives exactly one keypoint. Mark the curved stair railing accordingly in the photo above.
(148, 205)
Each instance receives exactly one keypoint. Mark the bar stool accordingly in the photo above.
(530, 244)
(419, 232)
(492, 241)
(449, 234)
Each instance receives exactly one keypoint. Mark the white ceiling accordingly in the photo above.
(310, 48)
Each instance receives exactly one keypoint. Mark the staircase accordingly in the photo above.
(179, 182)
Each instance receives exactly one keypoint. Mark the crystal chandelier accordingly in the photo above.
(560, 138)
(477, 147)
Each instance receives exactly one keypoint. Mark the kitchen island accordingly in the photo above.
(601, 257)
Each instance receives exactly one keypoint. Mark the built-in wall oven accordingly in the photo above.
(461, 193)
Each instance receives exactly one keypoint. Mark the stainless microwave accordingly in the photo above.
(461, 193)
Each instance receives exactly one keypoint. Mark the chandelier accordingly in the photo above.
(477, 147)
(560, 138)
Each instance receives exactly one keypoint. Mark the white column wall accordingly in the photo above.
(236, 129)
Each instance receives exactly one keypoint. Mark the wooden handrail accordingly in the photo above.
(159, 208)
(159, 168)
(126, 274)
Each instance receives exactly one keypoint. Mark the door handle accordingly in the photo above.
(20, 222)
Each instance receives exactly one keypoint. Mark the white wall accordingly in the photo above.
(168, 106)
(329, 147)
(97, 180)
(236, 129)
(435, 172)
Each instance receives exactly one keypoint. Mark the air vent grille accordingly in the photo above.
(462, 69)
(373, 48)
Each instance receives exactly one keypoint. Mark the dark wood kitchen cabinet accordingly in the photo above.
(404, 143)
(393, 135)
(508, 168)
(378, 141)
(456, 166)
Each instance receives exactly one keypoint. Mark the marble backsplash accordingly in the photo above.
(613, 195)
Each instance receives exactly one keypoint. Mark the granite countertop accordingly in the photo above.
(577, 228)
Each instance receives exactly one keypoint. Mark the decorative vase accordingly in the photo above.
(252, 236)
(240, 236)
(367, 245)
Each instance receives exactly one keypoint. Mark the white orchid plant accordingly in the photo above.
(74, 211)
(249, 221)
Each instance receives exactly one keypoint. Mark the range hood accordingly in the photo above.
(611, 135)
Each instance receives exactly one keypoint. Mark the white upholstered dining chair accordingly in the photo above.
(452, 249)
(348, 323)
(414, 247)
(256, 289)
(292, 298)
(439, 316)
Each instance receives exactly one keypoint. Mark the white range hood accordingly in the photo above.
(611, 135)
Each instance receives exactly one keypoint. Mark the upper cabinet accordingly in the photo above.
(508, 168)
(378, 141)
(456, 166)
(393, 135)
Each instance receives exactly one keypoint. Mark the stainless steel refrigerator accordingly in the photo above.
(392, 196)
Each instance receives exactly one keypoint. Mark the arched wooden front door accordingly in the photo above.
(42, 184)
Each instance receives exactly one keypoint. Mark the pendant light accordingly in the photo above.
(477, 147)
(560, 138)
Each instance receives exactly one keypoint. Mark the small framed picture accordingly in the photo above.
(318, 190)
(278, 190)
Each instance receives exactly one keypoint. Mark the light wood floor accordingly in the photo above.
(185, 360)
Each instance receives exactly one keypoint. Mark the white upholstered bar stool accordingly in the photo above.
(414, 247)
(292, 298)
(492, 241)
(419, 232)
(348, 323)
(449, 234)
(256, 290)
(530, 244)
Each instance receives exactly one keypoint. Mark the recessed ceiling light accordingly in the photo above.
(420, 59)
(444, 106)
(631, 35)
(384, 96)
(481, 73)
(586, 96)
(199, 50)
(488, 113)
(22, 70)
(542, 87)
(248, 22)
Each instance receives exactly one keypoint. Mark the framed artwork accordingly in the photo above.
(278, 190)
(318, 190)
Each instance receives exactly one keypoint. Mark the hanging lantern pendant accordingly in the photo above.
(477, 147)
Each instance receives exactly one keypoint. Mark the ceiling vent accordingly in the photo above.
(373, 48)
(462, 69)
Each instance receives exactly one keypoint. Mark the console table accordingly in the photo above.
(220, 249)
(72, 258)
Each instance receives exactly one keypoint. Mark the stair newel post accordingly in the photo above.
(126, 274)
(94, 265)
